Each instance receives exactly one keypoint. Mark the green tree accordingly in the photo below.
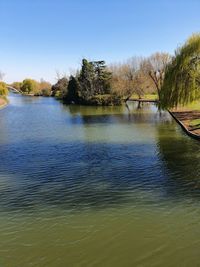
(17, 85)
(87, 79)
(3, 89)
(182, 79)
(73, 88)
(102, 78)
(30, 86)
(44, 88)
(94, 79)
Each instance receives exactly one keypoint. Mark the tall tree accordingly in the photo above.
(131, 78)
(30, 86)
(182, 80)
(44, 88)
(73, 88)
(87, 79)
(94, 79)
(156, 65)
(102, 77)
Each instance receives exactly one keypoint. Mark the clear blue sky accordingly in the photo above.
(38, 37)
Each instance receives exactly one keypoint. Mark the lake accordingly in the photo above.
(96, 186)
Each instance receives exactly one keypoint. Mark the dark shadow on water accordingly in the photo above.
(181, 159)
(138, 118)
(99, 175)
(122, 114)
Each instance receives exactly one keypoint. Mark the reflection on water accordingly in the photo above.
(96, 186)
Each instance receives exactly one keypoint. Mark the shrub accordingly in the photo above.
(3, 89)
(104, 100)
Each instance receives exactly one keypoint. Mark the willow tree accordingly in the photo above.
(182, 77)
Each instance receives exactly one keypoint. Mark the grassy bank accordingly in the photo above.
(189, 116)
(150, 97)
(3, 102)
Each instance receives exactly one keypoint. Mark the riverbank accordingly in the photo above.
(145, 98)
(3, 102)
(189, 120)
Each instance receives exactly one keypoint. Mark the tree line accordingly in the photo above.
(32, 87)
(174, 80)
(98, 84)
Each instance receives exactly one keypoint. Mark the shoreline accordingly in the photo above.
(183, 118)
(3, 102)
(143, 100)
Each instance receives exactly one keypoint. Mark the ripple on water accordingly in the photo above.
(87, 186)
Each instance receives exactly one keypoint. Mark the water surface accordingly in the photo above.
(96, 186)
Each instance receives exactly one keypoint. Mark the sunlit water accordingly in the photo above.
(96, 186)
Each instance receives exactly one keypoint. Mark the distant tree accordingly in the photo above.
(130, 78)
(182, 80)
(73, 89)
(94, 79)
(102, 78)
(30, 86)
(17, 85)
(87, 79)
(3, 89)
(44, 88)
(156, 65)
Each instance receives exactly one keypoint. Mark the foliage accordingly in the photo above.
(156, 66)
(3, 89)
(59, 89)
(44, 88)
(131, 78)
(72, 95)
(182, 80)
(151, 97)
(30, 86)
(17, 85)
(194, 123)
(102, 78)
(103, 100)
(94, 79)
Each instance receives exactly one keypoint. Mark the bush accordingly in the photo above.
(103, 100)
(3, 89)
(59, 89)
(45, 88)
